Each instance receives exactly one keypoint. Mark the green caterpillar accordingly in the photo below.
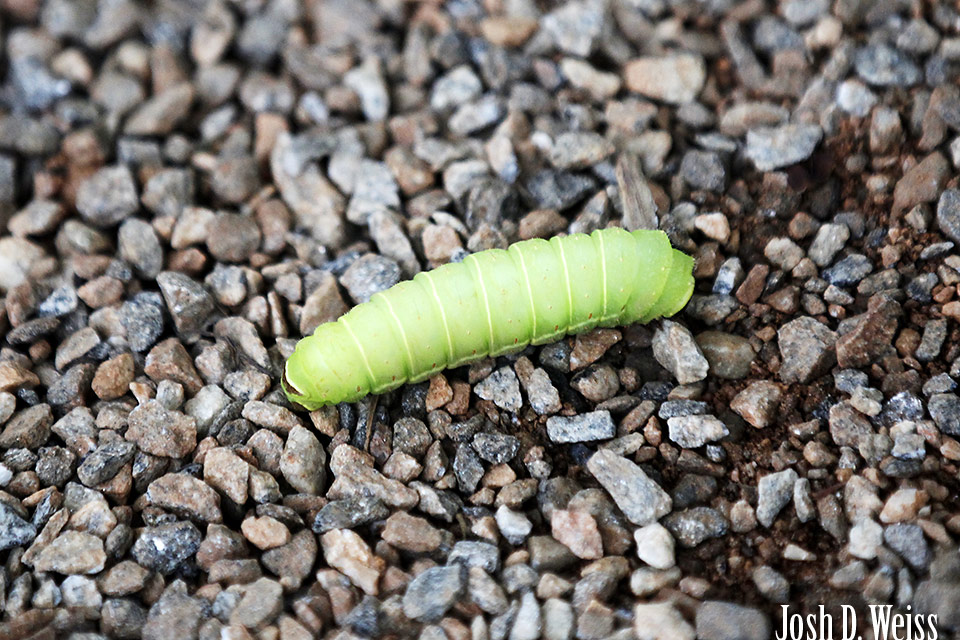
(494, 302)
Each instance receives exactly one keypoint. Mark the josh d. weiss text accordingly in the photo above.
(887, 624)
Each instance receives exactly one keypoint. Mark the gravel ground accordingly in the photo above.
(187, 187)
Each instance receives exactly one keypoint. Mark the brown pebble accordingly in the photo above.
(187, 496)
(752, 286)
(161, 432)
(191, 261)
(113, 377)
(411, 533)
(541, 223)
(461, 399)
(265, 532)
(951, 310)
(440, 242)
(346, 551)
(590, 346)
(13, 376)
(922, 183)
(233, 237)
(101, 292)
(578, 531)
(169, 360)
(508, 31)
(439, 392)
(412, 174)
(758, 403)
(785, 300)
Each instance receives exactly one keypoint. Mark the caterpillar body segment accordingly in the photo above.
(493, 303)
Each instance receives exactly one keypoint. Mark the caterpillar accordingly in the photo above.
(492, 303)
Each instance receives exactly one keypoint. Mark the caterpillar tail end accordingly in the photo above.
(678, 290)
(680, 284)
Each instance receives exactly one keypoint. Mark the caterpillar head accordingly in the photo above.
(320, 372)
(293, 393)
